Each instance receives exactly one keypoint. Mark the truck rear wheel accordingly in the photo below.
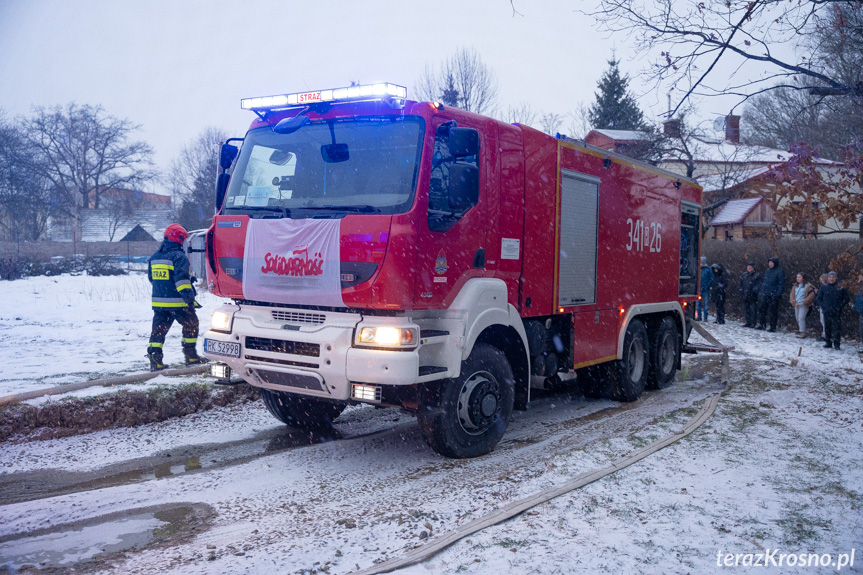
(466, 416)
(664, 355)
(629, 373)
(299, 411)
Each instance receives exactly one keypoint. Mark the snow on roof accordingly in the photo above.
(727, 180)
(723, 151)
(96, 224)
(623, 135)
(735, 211)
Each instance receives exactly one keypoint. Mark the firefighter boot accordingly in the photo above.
(192, 357)
(155, 356)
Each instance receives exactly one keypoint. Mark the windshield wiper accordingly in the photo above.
(282, 210)
(355, 209)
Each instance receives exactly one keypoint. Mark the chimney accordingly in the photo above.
(671, 128)
(732, 129)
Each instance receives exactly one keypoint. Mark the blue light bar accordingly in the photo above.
(350, 93)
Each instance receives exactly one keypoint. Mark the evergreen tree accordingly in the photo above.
(450, 93)
(615, 107)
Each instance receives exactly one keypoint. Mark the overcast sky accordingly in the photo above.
(178, 66)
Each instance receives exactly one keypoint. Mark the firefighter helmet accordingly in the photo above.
(176, 233)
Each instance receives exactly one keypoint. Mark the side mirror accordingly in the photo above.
(221, 187)
(463, 191)
(335, 153)
(227, 155)
(463, 142)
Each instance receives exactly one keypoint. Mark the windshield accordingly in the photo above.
(325, 169)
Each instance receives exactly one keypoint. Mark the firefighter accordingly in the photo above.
(173, 297)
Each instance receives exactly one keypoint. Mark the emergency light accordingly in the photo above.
(366, 92)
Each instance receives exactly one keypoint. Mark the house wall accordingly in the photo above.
(721, 233)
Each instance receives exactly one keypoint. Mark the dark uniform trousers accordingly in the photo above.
(163, 318)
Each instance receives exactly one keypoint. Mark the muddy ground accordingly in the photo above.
(75, 416)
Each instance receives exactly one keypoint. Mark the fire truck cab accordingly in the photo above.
(398, 253)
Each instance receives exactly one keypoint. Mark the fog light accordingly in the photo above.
(220, 371)
(366, 392)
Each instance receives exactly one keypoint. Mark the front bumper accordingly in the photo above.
(311, 353)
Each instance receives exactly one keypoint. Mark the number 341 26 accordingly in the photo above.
(644, 236)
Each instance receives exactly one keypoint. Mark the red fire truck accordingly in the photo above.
(398, 253)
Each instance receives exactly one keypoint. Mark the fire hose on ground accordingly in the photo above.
(107, 382)
(427, 551)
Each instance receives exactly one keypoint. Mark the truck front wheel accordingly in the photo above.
(299, 411)
(466, 416)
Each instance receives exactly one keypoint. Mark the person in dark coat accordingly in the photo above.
(718, 290)
(858, 304)
(832, 298)
(706, 281)
(173, 297)
(749, 286)
(772, 288)
(823, 279)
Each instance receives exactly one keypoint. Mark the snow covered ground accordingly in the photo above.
(775, 470)
(66, 329)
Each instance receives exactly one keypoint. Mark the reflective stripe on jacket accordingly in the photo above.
(168, 271)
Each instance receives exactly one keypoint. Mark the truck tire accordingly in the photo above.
(466, 416)
(629, 374)
(664, 354)
(299, 411)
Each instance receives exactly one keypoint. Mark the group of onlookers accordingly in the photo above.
(761, 293)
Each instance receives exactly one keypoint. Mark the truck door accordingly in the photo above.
(451, 238)
(690, 219)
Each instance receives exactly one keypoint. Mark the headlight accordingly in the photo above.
(221, 321)
(387, 336)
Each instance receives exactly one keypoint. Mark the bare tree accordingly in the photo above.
(551, 123)
(192, 178)
(119, 207)
(692, 42)
(685, 143)
(27, 198)
(85, 151)
(782, 117)
(464, 79)
(521, 113)
(578, 121)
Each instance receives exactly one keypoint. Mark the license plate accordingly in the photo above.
(229, 348)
